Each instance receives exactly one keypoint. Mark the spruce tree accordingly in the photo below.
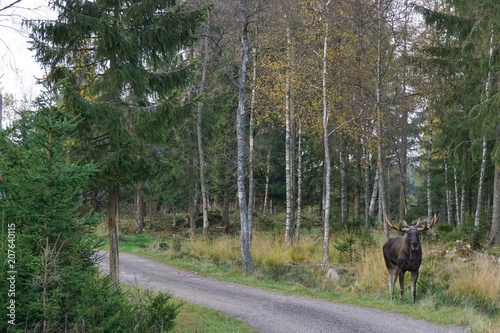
(50, 251)
(468, 51)
(118, 66)
(48, 278)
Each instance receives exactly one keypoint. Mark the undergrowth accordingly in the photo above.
(449, 290)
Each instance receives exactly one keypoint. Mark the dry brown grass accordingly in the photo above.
(371, 273)
(479, 278)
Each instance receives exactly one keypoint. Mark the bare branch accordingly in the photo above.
(10, 5)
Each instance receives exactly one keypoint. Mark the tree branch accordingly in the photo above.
(10, 5)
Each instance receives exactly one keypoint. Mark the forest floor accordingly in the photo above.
(263, 310)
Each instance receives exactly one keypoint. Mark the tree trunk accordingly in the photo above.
(343, 181)
(373, 200)
(404, 125)
(479, 206)
(194, 212)
(326, 160)
(299, 184)
(367, 188)
(378, 93)
(448, 192)
(495, 218)
(288, 149)
(251, 181)
(457, 204)
(357, 184)
(429, 190)
(114, 197)
(204, 195)
(266, 191)
(462, 205)
(240, 133)
(140, 206)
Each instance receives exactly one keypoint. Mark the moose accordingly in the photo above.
(404, 254)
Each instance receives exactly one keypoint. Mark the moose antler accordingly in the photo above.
(403, 226)
(428, 226)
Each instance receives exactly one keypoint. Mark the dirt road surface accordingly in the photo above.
(263, 310)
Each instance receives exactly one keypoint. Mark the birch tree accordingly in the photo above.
(245, 232)
(199, 118)
(326, 144)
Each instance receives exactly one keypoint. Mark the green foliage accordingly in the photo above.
(42, 191)
(176, 245)
(116, 67)
(58, 288)
(465, 232)
(157, 312)
(346, 247)
(266, 224)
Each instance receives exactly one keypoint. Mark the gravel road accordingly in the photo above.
(263, 310)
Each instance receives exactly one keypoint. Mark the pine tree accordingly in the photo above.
(118, 67)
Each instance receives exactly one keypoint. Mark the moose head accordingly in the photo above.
(404, 254)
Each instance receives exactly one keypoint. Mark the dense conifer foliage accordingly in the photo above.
(49, 278)
(119, 67)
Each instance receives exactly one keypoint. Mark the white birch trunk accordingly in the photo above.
(299, 185)
(373, 200)
(266, 191)
(343, 183)
(457, 203)
(479, 206)
(241, 142)
(201, 154)
(288, 148)
(326, 161)
(448, 192)
(251, 182)
(367, 189)
(462, 205)
(378, 93)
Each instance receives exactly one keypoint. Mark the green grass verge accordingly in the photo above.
(194, 318)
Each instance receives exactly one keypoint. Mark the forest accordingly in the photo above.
(208, 118)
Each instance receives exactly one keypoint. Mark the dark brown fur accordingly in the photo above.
(404, 254)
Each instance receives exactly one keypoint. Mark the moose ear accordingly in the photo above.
(404, 226)
(419, 224)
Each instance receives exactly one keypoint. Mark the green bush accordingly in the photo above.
(266, 224)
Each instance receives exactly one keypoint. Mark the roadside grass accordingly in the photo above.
(449, 292)
(195, 318)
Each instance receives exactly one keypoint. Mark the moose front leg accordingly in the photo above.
(393, 275)
(414, 278)
(402, 282)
